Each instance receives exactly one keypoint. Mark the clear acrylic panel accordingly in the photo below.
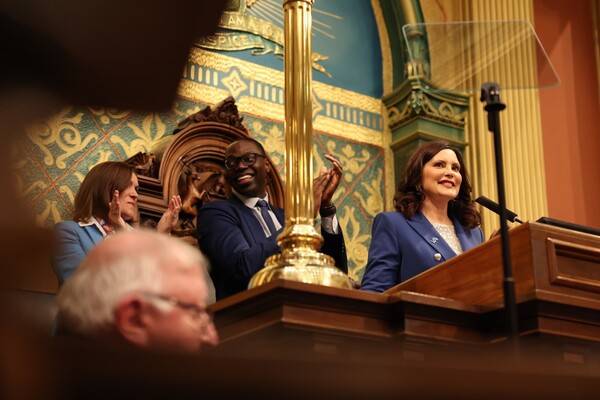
(460, 56)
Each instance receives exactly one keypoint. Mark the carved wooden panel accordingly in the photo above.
(190, 163)
(574, 265)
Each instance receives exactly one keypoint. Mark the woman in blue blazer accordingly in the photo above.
(105, 203)
(435, 219)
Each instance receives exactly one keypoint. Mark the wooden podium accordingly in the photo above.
(556, 272)
(549, 263)
(457, 305)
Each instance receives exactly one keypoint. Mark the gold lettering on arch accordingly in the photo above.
(249, 32)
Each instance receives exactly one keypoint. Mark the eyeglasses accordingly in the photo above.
(248, 159)
(201, 317)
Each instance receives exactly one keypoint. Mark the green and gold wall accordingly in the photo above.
(244, 60)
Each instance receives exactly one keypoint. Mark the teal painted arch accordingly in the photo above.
(394, 14)
(345, 41)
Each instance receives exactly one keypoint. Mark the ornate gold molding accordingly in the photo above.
(199, 92)
(210, 77)
(421, 105)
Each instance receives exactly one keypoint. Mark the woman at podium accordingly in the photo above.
(435, 219)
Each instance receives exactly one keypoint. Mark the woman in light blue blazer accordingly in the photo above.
(105, 203)
(435, 219)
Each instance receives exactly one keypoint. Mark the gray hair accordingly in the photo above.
(126, 263)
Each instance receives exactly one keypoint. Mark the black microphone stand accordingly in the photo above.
(490, 95)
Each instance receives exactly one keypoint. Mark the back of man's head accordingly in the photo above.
(142, 288)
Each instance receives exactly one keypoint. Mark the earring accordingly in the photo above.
(419, 190)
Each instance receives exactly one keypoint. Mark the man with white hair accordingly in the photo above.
(139, 288)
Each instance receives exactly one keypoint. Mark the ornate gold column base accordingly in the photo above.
(302, 266)
(300, 262)
(302, 237)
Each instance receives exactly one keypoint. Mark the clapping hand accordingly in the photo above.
(171, 216)
(325, 185)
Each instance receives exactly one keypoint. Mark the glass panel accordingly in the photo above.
(460, 56)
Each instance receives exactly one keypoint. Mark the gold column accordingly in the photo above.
(525, 180)
(299, 241)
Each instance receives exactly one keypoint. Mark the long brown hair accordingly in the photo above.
(97, 188)
(408, 198)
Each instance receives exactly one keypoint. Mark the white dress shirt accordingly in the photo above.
(330, 224)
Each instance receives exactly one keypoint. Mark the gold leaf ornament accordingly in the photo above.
(60, 130)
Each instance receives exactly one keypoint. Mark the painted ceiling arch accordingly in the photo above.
(346, 43)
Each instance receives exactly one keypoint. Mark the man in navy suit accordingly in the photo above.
(238, 234)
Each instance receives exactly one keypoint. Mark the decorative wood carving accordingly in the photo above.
(225, 112)
(190, 163)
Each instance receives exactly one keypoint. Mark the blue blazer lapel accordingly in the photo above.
(424, 228)
(463, 236)
(93, 233)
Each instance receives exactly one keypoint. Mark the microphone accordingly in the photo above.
(495, 207)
